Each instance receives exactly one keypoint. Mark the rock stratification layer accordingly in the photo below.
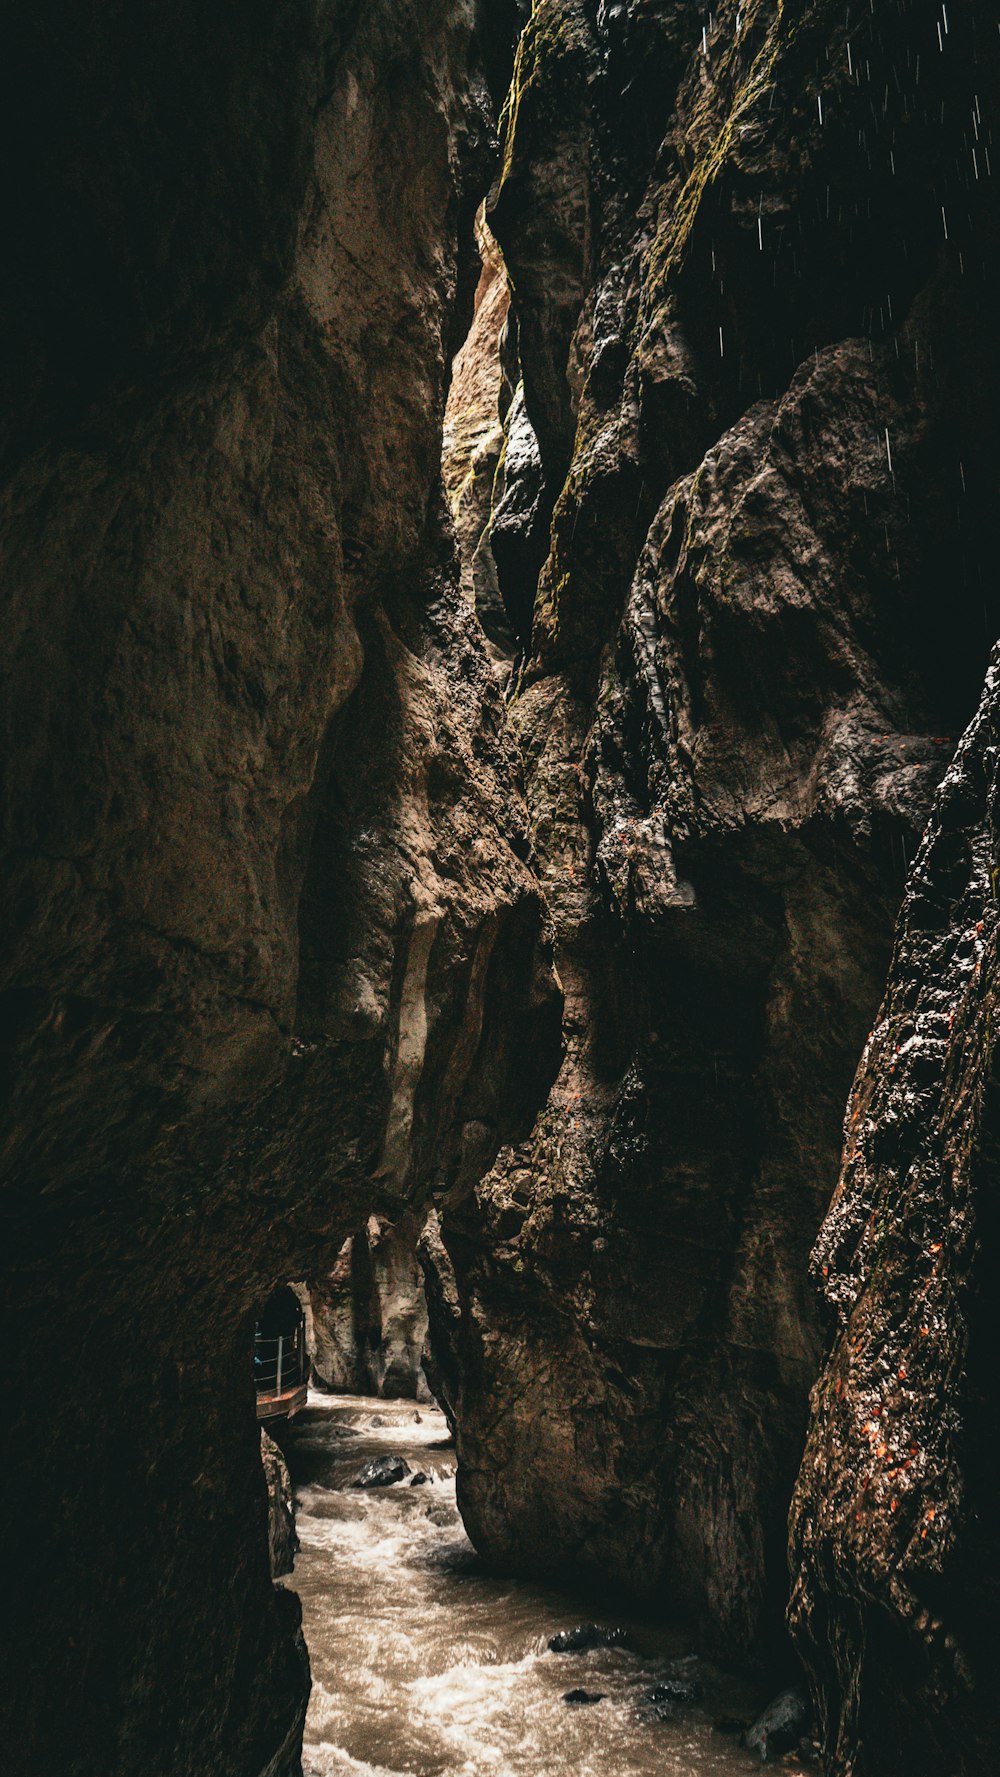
(896, 1548)
(754, 272)
(272, 955)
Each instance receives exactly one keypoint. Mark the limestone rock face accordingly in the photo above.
(473, 443)
(755, 275)
(368, 1318)
(272, 956)
(895, 1541)
(282, 1541)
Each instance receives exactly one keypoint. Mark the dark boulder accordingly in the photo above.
(419, 1479)
(382, 1471)
(586, 1637)
(581, 1696)
(781, 1726)
(672, 1692)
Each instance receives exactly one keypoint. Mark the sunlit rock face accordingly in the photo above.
(473, 445)
(895, 1542)
(367, 1318)
(754, 265)
(272, 956)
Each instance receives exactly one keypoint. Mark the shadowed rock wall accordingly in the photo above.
(282, 1541)
(895, 1541)
(754, 264)
(272, 957)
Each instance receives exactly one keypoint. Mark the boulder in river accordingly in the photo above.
(781, 1726)
(382, 1471)
(586, 1637)
(672, 1693)
(581, 1696)
(419, 1479)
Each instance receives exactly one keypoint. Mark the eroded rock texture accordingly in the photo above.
(282, 1540)
(896, 1548)
(272, 956)
(473, 444)
(367, 1319)
(754, 264)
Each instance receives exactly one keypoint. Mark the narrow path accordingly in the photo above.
(424, 1665)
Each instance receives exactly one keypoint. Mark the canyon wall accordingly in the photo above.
(272, 956)
(367, 1318)
(895, 1548)
(722, 456)
(282, 1540)
(751, 381)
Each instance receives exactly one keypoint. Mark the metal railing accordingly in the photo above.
(279, 1364)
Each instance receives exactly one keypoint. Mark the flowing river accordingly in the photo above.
(425, 1665)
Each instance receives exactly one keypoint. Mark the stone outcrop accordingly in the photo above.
(896, 1554)
(367, 1319)
(273, 958)
(754, 271)
(282, 1540)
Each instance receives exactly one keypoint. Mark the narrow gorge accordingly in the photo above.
(501, 730)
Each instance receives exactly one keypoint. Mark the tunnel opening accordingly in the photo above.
(280, 1360)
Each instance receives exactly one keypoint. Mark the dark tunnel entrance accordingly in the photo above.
(280, 1361)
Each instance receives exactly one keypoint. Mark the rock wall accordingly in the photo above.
(896, 1555)
(367, 1319)
(473, 444)
(282, 1540)
(272, 957)
(754, 262)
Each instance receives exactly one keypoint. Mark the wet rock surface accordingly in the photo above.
(585, 1638)
(282, 1541)
(382, 1471)
(895, 1540)
(272, 954)
(780, 1728)
(755, 276)
(672, 1692)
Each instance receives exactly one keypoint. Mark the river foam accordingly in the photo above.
(425, 1665)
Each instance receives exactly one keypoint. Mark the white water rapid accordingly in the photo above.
(426, 1666)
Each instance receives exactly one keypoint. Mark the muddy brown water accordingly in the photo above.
(424, 1665)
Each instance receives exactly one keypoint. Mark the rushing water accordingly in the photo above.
(423, 1664)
